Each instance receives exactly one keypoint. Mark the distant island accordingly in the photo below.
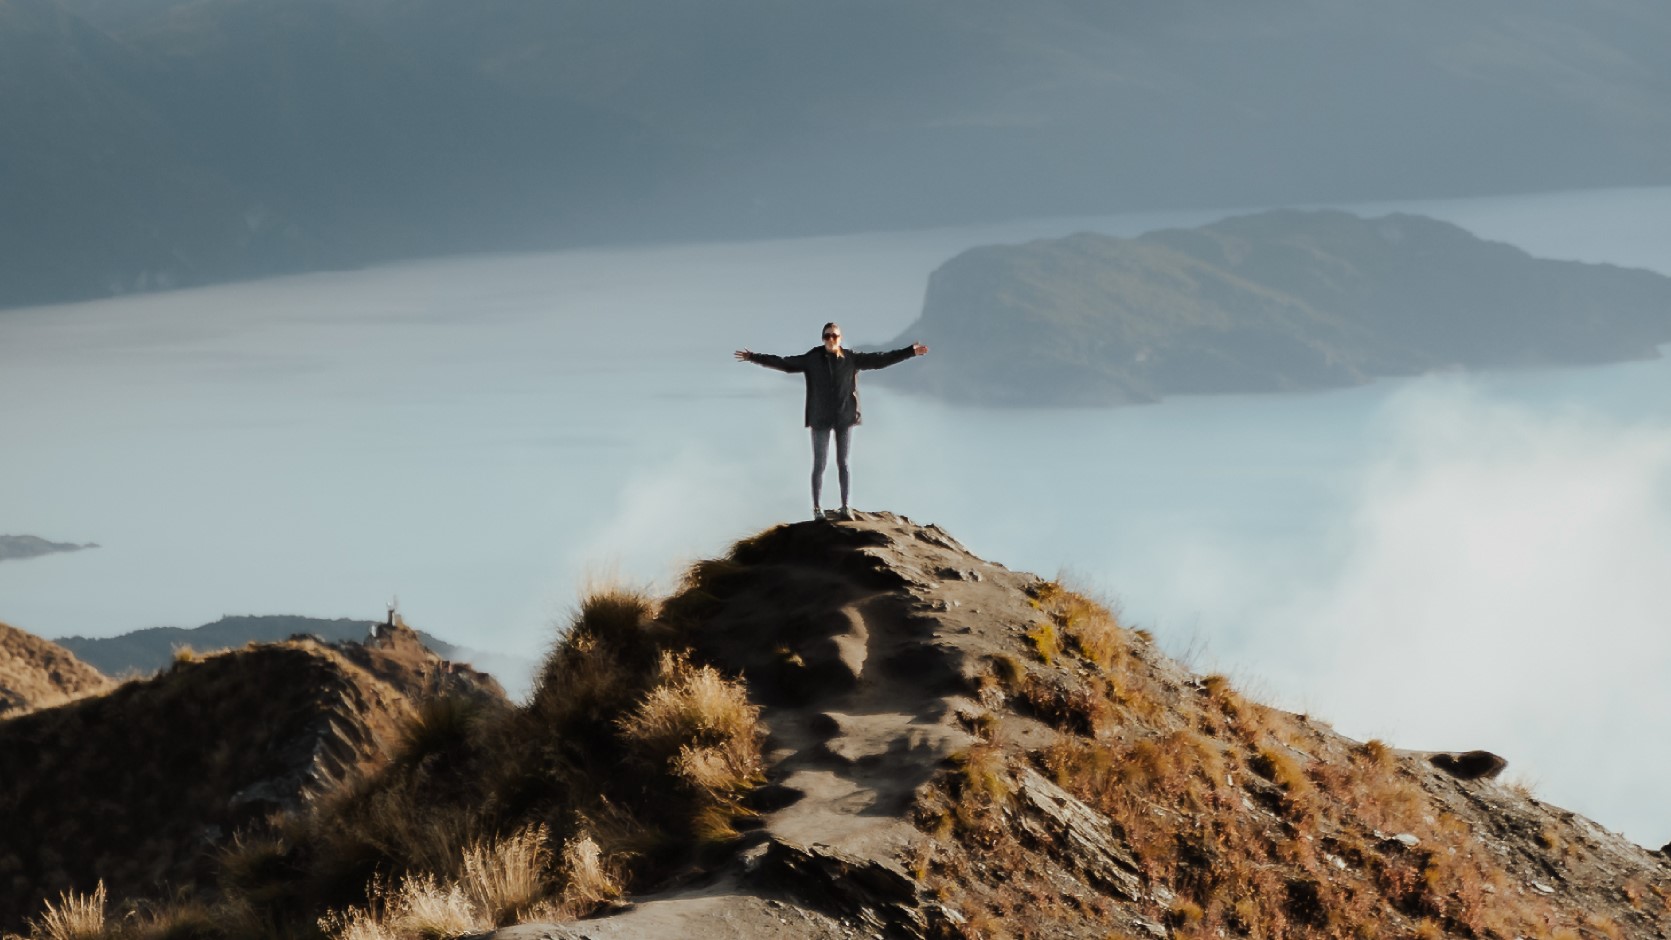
(29, 546)
(1285, 300)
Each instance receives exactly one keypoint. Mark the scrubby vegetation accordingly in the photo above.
(629, 759)
(960, 751)
(1250, 821)
(133, 787)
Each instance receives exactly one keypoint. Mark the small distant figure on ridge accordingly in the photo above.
(387, 627)
(832, 399)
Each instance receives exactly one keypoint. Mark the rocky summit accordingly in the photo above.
(957, 749)
(853, 729)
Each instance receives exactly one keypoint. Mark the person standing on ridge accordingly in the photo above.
(832, 399)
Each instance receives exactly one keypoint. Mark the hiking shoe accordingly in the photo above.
(844, 514)
(817, 514)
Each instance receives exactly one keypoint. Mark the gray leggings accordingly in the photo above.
(821, 456)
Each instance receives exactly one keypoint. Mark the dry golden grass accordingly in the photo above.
(1260, 824)
(1046, 643)
(589, 879)
(425, 909)
(74, 917)
(625, 736)
(1093, 628)
(627, 755)
(508, 879)
(37, 674)
(499, 882)
(690, 702)
(420, 908)
(700, 728)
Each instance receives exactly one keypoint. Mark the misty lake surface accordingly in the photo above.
(1450, 562)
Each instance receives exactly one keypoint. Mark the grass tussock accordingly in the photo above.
(499, 882)
(1092, 628)
(74, 916)
(589, 879)
(703, 724)
(1046, 643)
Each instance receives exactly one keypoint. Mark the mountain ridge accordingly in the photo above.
(143, 651)
(861, 727)
(143, 786)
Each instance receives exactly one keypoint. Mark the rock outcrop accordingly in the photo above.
(960, 750)
(1470, 765)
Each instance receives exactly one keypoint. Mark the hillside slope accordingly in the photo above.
(36, 673)
(957, 749)
(863, 729)
(1276, 301)
(144, 787)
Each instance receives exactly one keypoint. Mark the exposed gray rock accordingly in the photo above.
(1470, 765)
(877, 892)
(1076, 833)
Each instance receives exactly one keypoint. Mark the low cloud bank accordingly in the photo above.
(1502, 582)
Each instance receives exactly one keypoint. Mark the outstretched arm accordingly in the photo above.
(780, 363)
(881, 360)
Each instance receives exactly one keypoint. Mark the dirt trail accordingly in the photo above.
(856, 758)
(857, 638)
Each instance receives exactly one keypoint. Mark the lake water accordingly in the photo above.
(1446, 563)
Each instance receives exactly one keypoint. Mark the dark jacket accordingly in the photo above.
(832, 383)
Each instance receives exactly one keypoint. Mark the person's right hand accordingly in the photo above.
(742, 355)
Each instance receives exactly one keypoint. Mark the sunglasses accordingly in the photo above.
(832, 336)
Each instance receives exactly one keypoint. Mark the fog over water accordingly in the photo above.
(1451, 562)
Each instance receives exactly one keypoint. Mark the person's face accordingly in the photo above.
(832, 337)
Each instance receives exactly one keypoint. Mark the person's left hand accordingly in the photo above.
(919, 349)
